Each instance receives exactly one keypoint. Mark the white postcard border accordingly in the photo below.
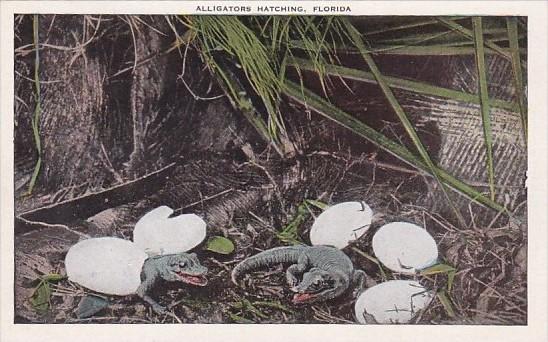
(536, 329)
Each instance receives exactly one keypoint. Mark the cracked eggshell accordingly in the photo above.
(341, 224)
(394, 301)
(156, 233)
(107, 265)
(404, 247)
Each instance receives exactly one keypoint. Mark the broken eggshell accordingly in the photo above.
(341, 224)
(107, 265)
(404, 247)
(394, 301)
(157, 234)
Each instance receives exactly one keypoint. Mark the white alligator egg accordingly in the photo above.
(107, 265)
(157, 234)
(404, 247)
(341, 224)
(394, 301)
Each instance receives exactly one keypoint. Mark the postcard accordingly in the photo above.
(272, 170)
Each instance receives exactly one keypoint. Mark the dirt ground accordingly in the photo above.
(213, 164)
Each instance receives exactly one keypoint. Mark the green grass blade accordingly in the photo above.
(403, 84)
(273, 304)
(446, 302)
(409, 50)
(450, 280)
(230, 34)
(484, 99)
(413, 24)
(436, 269)
(512, 27)
(466, 32)
(428, 50)
(244, 105)
(318, 204)
(290, 232)
(373, 260)
(37, 110)
(447, 38)
(358, 42)
(315, 102)
(239, 319)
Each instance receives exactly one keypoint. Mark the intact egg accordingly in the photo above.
(404, 247)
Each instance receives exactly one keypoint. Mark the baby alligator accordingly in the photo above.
(173, 267)
(317, 273)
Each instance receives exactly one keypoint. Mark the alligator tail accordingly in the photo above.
(278, 255)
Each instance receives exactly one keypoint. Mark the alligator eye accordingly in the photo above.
(182, 263)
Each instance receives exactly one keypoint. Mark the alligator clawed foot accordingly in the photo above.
(293, 282)
(159, 309)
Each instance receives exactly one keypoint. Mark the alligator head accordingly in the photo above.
(183, 267)
(317, 285)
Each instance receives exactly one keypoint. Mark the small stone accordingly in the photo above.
(90, 305)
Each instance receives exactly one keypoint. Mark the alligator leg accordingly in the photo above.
(149, 277)
(358, 281)
(295, 271)
(159, 309)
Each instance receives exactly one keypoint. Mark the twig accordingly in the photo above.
(202, 200)
(174, 316)
(181, 77)
(38, 225)
(91, 204)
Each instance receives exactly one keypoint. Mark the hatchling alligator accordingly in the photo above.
(181, 267)
(316, 273)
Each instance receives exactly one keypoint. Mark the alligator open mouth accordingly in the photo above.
(198, 280)
(300, 298)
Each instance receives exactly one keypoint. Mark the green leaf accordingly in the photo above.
(436, 269)
(53, 277)
(446, 302)
(40, 299)
(220, 245)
